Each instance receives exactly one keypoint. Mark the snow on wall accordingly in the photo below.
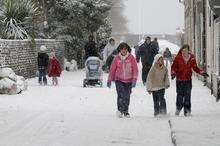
(22, 58)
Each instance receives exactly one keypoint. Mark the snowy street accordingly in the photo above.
(69, 115)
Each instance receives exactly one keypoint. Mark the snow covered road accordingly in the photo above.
(69, 115)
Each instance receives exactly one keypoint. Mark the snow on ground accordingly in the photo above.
(202, 128)
(69, 115)
(163, 44)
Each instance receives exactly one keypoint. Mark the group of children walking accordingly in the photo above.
(124, 72)
(48, 65)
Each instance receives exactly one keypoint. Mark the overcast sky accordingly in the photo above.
(154, 16)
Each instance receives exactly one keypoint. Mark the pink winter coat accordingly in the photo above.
(123, 70)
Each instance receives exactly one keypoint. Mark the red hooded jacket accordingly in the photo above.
(182, 70)
(54, 69)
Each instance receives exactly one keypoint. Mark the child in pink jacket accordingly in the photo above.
(124, 72)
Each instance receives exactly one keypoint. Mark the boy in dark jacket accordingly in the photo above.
(42, 61)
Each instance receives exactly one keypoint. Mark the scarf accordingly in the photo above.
(123, 57)
(186, 58)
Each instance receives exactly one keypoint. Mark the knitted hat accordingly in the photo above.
(43, 48)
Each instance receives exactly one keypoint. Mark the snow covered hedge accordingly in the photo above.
(70, 66)
(10, 83)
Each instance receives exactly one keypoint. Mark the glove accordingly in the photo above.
(134, 84)
(109, 84)
(204, 74)
(138, 60)
(167, 86)
(173, 76)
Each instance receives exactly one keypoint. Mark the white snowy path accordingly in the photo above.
(202, 129)
(69, 115)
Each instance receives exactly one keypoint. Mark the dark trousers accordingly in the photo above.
(124, 92)
(159, 102)
(145, 71)
(42, 74)
(183, 100)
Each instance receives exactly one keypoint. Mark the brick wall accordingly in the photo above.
(21, 56)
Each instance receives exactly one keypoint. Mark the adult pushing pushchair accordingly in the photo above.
(109, 60)
(108, 53)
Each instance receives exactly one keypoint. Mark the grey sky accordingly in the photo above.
(154, 16)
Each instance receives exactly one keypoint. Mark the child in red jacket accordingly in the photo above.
(181, 68)
(54, 69)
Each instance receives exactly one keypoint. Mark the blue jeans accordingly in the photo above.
(159, 102)
(183, 100)
(123, 92)
(42, 74)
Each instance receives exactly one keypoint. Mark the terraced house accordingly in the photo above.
(202, 32)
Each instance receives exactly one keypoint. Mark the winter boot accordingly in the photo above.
(127, 115)
(40, 83)
(187, 113)
(119, 114)
(56, 81)
(177, 113)
(53, 81)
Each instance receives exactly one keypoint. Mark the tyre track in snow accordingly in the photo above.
(89, 119)
(13, 126)
(25, 130)
(172, 133)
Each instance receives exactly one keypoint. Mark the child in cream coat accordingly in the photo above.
(157, 82)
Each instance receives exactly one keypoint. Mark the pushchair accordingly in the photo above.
(94, 73)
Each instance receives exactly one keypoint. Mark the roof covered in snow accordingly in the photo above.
(163, 44)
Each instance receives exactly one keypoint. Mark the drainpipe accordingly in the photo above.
(194, 26)
(204, 60)
(218, 93)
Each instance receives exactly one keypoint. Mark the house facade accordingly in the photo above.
(202, 33)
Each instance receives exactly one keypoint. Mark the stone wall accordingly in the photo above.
(21, 55)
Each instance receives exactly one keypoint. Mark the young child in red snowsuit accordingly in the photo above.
(54, 69)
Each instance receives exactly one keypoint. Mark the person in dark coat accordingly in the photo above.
(91, 48)
(156, 44)
(42, 61)
(181, 68)
(101, 49)
(146, 53)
